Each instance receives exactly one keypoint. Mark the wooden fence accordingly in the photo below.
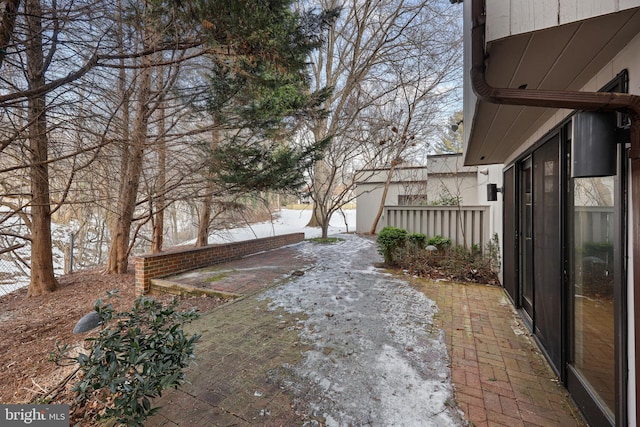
(464, 225)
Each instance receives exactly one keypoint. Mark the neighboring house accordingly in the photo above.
(444, 181)
(551, 91)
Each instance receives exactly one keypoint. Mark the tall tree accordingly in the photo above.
(366, 54)
(42, 277)
(8, 16)
(258, 98)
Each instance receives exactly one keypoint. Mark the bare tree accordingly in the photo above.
(373, 50)
(42, 277)
(451, 140)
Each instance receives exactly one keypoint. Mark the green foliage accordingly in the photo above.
(389, 240)
(259, 166)
(417, 240)
(452, 262)
(136, 355)
(262, 81)
(255, 32)
(602, 250)
(260, 88)
(439, 242)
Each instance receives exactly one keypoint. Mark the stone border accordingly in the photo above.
(174, 261)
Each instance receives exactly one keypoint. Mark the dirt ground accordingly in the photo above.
(30, 328)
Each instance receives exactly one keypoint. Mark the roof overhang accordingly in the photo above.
(561, 58)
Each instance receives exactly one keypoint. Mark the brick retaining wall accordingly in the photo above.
(175, 261)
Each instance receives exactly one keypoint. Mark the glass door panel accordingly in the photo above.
(526, 237)
(592, 265)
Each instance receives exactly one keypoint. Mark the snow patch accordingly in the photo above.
(376, 358)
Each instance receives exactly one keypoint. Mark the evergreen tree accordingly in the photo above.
(259, 91)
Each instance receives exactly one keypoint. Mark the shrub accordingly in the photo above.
(439, 242)
(136, 355)
(452, 263)
(417, 240)
(389, 240)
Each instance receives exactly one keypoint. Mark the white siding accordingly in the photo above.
(509, 17)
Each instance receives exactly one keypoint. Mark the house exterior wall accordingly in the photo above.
(628, 59)
(510, 17)
(370, 187)
(445, 176)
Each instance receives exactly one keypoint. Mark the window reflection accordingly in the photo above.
(593, 268)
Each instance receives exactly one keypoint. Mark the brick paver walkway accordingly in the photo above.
(501, 378)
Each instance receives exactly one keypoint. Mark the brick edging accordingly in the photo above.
(150, 266)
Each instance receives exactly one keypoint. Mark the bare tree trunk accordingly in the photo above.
(42, 277)
(385, 190)
(160, 202)
(205, 212)
(322, 185)
(205, 218)
(325, 228)
(7, 24)
(316, 214)
(120, 240)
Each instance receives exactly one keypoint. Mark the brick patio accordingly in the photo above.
(501, 378)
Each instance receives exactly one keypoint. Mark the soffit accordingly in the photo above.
(561, 58)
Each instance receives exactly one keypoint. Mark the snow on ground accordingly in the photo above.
(13, 274)
(376, 358)
(13, 277)
(287, 221)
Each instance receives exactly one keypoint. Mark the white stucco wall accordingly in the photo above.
(444, 176)
(370, 187)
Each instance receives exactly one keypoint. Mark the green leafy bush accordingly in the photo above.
(389, 240)
(439, 242)
(136, 355)
(417, 240)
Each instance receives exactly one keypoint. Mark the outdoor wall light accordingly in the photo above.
(455, 126)
(593, 144)
(492, 192)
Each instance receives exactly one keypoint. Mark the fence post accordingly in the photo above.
(70, 253)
